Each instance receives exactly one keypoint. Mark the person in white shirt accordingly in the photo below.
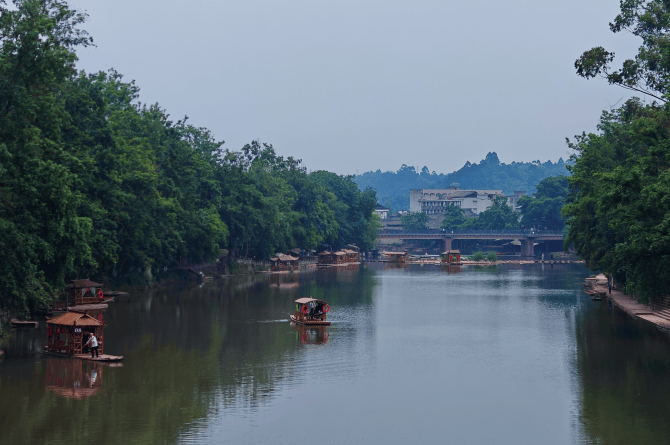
(92, 343)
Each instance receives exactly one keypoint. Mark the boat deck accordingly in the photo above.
(102, 358)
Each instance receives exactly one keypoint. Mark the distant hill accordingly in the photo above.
(393, 187)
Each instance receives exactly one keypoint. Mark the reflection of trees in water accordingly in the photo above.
(341, 287)
(623, 369)
(189, 351)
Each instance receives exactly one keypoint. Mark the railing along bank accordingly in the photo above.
(473, 232)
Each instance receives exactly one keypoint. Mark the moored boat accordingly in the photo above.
(310, 312)
(24, 323)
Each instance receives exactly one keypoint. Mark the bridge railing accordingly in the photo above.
(526, 233)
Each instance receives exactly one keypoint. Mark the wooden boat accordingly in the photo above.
(24, 323)
(451, 257)
(310, 312)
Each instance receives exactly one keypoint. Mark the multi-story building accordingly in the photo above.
(436, 201)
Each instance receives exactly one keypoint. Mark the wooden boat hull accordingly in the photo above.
(24, 323)
(295, 320)
(105, 358)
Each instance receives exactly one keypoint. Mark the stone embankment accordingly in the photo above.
(492, 263)
(658, 314)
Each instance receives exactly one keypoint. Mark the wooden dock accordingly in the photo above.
(101, 358)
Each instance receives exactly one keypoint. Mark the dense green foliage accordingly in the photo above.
(91, 179)
(648, 72)
(477, 256)
(544, 210)
(618, 208)
(490, 174)
(454, 218)
(499, 216)
(414, 221)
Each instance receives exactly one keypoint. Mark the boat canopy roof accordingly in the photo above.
(80, 284)
(307, 300)
(75, 319)
(282, 257)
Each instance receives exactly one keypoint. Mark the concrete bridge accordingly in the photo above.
(526, 237)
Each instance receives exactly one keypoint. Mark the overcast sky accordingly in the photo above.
(352, 86)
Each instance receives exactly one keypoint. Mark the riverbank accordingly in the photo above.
(437, 261)
(658, 317)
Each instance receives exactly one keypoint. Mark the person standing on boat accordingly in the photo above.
(93, 344)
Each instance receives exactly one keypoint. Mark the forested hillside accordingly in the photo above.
(393, 187)
(93, 180)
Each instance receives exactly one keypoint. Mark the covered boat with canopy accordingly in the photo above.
(310, 311)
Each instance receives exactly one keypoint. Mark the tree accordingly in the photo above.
(353, 209)
(454, 219)
(544, 210)
(42, 238)
(414, 221)
(648, 72)
(499, 216)
(618, 211)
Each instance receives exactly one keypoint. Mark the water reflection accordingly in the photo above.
(415, 353)
(624, 375)
(311, 335)
(74, 379)
(449, 268)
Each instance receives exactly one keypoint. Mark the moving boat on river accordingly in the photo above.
(310, 312)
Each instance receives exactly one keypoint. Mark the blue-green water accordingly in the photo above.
(504, 355)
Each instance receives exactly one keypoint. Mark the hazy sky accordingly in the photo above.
(351, 86)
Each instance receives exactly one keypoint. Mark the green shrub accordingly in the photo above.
(477, 256)
(492, 256)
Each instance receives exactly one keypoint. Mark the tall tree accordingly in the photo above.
(42, 238)
(499, 216)
(648, 71)
(454, 219)
(414, 221)
(618, 211)
(544, 210)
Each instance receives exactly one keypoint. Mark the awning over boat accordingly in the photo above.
(307, 300)
(75, 319)
(79, 284)
(282, 257)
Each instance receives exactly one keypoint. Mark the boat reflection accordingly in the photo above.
(450, 269)
(74, 379)
(311, 335)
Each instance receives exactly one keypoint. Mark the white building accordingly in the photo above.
(382, 211)
(436, 201)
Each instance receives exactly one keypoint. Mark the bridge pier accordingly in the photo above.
(527, 248)
(447, 244)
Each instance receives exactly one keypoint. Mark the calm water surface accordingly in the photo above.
(504, 355)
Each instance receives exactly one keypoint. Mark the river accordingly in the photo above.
(477, 355)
